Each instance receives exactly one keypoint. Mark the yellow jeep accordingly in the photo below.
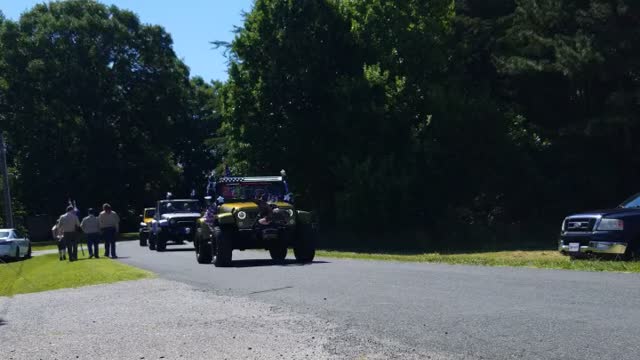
(253, 213)
(145, 225)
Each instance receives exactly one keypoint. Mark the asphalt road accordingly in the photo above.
(455, 311)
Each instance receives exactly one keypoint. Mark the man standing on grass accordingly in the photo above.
(70, 224)
(91, 227)
(109, 223)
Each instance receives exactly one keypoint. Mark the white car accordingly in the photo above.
(14, 245)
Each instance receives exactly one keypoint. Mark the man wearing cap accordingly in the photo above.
(109, 223)
(91, 227)
(69, 224)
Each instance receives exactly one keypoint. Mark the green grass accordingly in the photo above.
(547, 259)
(49, 245)
(46, 272)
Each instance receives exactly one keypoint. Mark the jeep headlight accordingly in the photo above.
(242, 215)
(611, 225)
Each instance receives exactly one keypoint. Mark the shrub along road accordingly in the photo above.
(464, 311)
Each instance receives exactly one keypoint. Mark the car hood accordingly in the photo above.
(610, 212)
(170, 216)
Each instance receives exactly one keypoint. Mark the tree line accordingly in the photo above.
(412, 124)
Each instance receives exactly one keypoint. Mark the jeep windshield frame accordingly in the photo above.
(178, 206)
(241, 191)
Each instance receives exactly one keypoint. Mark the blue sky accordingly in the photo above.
(192, 24)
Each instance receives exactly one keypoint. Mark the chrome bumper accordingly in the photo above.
(597, 247)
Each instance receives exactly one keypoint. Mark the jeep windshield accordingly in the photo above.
(179, 206)
(249, 191)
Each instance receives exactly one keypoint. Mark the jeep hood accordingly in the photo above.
(250, 206)
(170, 216)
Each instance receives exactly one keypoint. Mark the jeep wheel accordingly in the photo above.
(304, 248)
(152, 242)
(224, 247)
(143, 239)
(278, 253)
(161, 242)
(203, 250)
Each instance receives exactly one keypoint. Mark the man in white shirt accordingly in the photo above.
(70, 224)
(109, 225)
(91, 227)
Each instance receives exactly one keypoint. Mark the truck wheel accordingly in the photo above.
(152, 242)
(224, 247)
(161, 242)
(278, 253)
(631, 254)
(304, 248)
(203, 250)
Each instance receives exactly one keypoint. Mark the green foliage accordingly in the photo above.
(459, 120)
(438, 115)
(98, 108)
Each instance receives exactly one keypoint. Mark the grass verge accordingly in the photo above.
(547, 259)
(49, 245)
(46, 272)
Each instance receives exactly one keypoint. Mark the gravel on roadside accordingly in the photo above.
(161, 319)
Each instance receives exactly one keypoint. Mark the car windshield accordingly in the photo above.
(179, 206)
(149, 213)
(4, 234)
(632, 202)
(268, 191)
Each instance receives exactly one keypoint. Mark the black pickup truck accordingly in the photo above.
(612, 232)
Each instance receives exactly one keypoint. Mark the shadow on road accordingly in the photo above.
(2, 322)
(178, 249)
(268, 262)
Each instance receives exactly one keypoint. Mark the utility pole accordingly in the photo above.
(8, 213)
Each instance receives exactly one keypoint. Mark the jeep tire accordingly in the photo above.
(278, 252)
(143, 238)
(204, 253)
(304, 247)
(152, 241)
(161, 241)
(224, 247)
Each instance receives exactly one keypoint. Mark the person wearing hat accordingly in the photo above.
(69, 225)
(91, 227)
(109, 223)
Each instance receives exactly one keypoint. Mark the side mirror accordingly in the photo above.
(207, 200)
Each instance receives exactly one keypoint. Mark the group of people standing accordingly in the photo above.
(104, 226)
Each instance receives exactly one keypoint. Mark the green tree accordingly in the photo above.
(92, 97)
